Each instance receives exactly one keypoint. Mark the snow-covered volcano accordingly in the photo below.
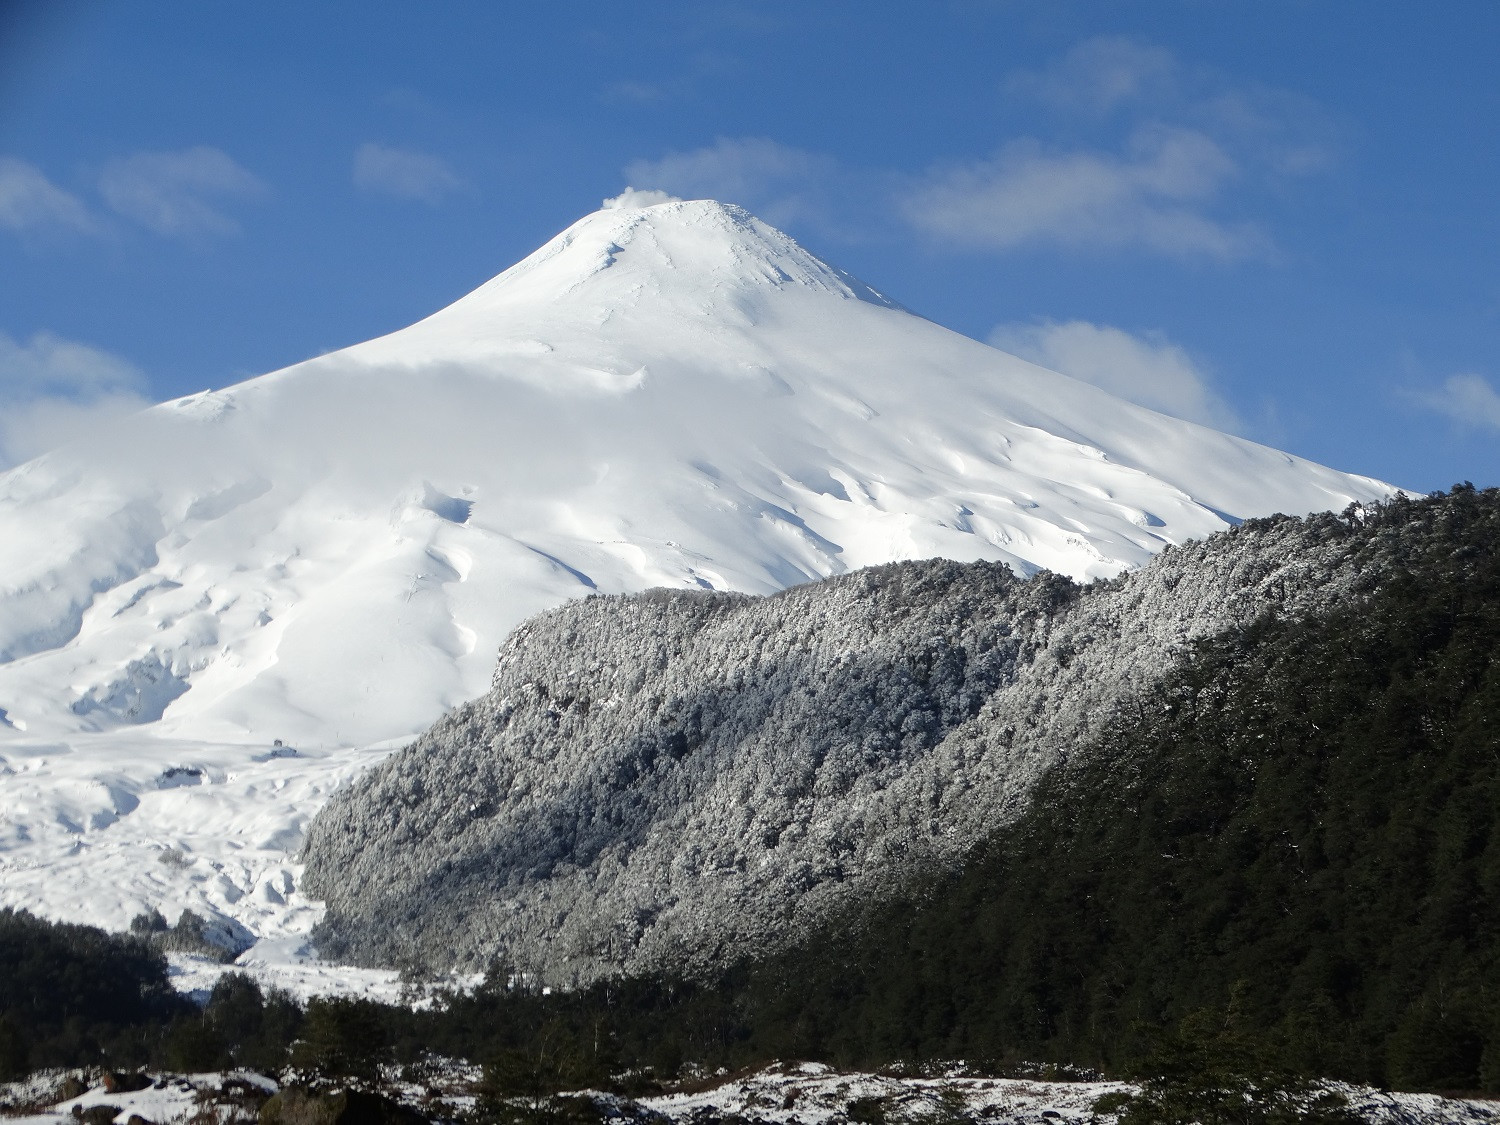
(330, 554)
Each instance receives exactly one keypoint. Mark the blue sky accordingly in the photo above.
(1278, 217)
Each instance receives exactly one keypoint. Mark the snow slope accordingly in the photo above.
(330, 554)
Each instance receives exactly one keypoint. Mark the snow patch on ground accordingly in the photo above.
(815, 1094)
(167, 1099)
(781, 1094)
(100, 828)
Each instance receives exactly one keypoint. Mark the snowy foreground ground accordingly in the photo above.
(783, 1094)
(98, 833)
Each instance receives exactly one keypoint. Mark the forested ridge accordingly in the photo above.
(1302, 818)
(1289, 831)
(670, 781)
(1296, 821)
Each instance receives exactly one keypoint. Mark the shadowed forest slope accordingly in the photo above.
(674, 781)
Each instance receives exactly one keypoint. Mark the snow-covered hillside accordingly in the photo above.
(330, 555)
(678, 780)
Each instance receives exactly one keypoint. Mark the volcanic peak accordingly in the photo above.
(695, 246)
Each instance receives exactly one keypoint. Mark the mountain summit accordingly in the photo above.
(679, 251)
(672, 395)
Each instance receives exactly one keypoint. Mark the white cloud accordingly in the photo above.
(1191, 151)
(1195, 140)
(632, 200)
(29, 201)
(779, 183)
(32, 427)
(50, 364)
(54, 390)
(170, 193)
(1285, 133)
(1468, 399)
(1280, 132)
(405, 174)
(1100, 74)
(1153, 197)
(1147, 368)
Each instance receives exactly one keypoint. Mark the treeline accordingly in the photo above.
(72, 994)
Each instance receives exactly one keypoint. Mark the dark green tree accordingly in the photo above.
(343, 1038)
(1210, 1071)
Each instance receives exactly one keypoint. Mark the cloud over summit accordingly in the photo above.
(780, 183)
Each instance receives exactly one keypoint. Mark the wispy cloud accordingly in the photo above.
(1284, 134)
(54, 390)
(1192, 149)
(405, 174)
(1184, 154)
(1468, 399)
(178, 193)
(1144, 368)
(780, 183)
(30, 202)
(1152, 196)
(1101, 74)
(1276, 131)
(51, 365)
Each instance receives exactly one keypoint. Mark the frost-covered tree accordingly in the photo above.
(674, 779)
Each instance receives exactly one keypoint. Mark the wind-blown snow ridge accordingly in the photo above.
(674, 395)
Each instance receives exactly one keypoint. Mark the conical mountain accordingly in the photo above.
(330, 555)
(673, 395)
